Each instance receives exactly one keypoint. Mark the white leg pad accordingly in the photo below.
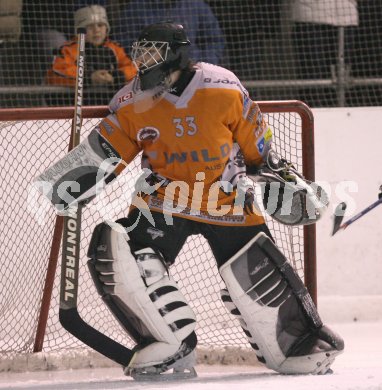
(259, 303)
(142, 282)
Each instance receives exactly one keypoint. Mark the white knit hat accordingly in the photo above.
(92, 14)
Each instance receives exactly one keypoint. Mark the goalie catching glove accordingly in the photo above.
(287, 196)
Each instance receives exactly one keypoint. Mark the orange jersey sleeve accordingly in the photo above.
(250, 129)
(127, 148)
(64, 67)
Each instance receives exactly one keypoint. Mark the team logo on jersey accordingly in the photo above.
(148, 134)
(155, 233)
(125, 98)
(260, 145)
(268, 135)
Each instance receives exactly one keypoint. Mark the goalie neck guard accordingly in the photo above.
(161, 48)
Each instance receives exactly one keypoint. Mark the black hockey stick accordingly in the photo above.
(68, 312)
(340, 210)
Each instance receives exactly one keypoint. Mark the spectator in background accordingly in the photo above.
(196, 16)
(253, 37)
(49, 24)
(52, 19)
(315, 40)
(365, 54)
(10, 31)
(106, 63)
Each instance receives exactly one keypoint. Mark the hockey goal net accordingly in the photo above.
(31, 140)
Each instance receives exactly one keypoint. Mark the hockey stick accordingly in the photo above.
(68, 312)
(340, 209)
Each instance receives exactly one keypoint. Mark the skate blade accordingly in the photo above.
(324, 368)
(176, 374)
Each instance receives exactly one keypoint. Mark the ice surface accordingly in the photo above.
(358, 368)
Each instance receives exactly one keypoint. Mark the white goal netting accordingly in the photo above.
(30, 146)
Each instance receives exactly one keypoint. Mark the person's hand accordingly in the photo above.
(101, 77)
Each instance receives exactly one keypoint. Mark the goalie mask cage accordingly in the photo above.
(32, 139)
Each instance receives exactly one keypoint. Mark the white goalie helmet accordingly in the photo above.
(92, 14)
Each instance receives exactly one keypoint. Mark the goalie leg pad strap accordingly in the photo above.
(277, 311)
(143, 297)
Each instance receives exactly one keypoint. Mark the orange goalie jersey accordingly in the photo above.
(198, 143)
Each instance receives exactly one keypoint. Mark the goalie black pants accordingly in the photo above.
(168, 239)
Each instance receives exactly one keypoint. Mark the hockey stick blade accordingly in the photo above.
(73, 323)
(338, 217)
(342, 206)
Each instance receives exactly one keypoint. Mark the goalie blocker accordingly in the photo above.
(81, 174)
(276, 311)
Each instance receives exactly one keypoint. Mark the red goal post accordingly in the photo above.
(32, 139)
